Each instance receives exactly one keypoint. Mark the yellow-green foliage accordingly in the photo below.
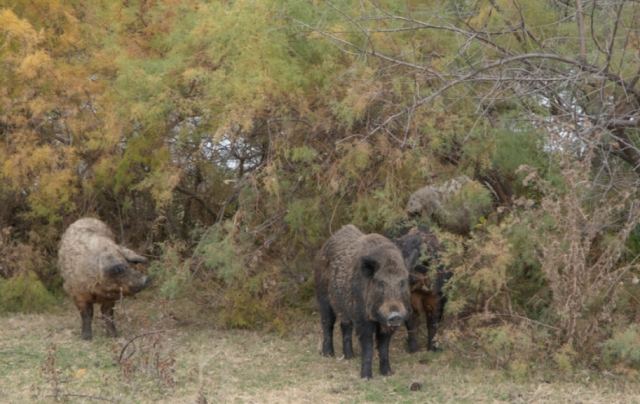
(464, 209)
(304, 221)
(565, 358)
(248, 304)
(250, 287)
(623, 348)
(519, 347)
(480, 266)
(507, 345)
(377, 210)
(171, 273)
(26, 294)
(221, 254)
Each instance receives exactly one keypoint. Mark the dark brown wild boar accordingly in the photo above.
(362, 280)
(96, 270)
(420, 249)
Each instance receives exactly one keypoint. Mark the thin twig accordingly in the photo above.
(124, 348)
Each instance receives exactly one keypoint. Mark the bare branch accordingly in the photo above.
(613, 36)
(593, 33)
(580, 21)
(371, 52)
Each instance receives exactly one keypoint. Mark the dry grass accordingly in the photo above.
(42, 359)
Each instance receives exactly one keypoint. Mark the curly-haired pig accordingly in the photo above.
(97, 270)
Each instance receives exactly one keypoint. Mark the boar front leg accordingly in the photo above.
(365, 334)
(383, 339)
(86, 313)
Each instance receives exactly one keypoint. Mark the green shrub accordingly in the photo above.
(479, 265)
(171, 274)
(462, 210)
(25, 293)
(220, 253)
(565, 358)
(507, 345)
(623, 348)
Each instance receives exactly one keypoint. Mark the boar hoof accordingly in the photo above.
(386, 372)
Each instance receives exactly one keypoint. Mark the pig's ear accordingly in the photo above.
(421, 269)
(115, 270)
(369, 266)
(411, 258)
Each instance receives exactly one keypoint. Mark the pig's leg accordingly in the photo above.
(383, 339)
(107, 314)
(328, 319)
(347, 345)
(365, 334)
(86, 313)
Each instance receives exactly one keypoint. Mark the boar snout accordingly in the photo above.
(393, 315)
(143, 284)
(395, 319)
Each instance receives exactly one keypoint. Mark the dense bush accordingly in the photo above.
(25, 293)
(623, 348)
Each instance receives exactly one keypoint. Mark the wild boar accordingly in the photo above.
(97, 270)
(455, 205)
(362, 280)
(421, 249)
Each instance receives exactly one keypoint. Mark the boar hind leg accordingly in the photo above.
(328, 319)
(383, 339)
(106, 308)
(86, 313)
(431, 309)
(432, 328)
(347, 344)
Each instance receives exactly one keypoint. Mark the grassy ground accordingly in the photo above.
(42, 359)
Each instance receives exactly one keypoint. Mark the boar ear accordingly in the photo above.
(411, 259)
(115, 270)
(369, 266)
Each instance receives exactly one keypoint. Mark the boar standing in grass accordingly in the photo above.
(97, 270)
(421, 248)
(362, 280)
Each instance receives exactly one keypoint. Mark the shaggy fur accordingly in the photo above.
(434, 202)
(362, 280)
(97, 270)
